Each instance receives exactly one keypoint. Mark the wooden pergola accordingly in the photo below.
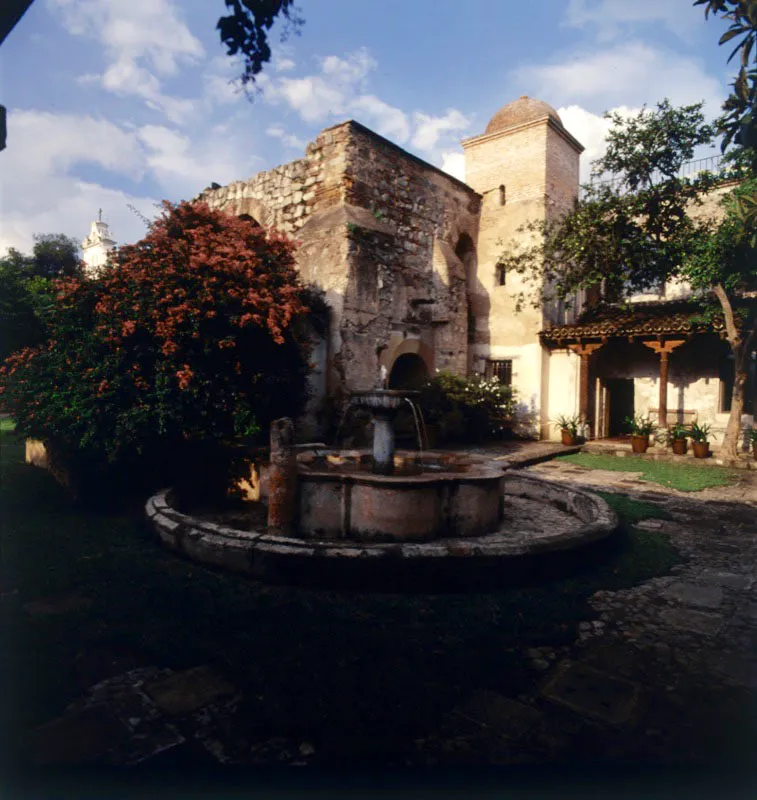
(660, 326)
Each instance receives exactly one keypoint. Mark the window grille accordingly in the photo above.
(501, 369)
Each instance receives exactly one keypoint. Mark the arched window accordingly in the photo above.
(502, 195)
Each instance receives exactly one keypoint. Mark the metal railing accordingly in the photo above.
(712, 164)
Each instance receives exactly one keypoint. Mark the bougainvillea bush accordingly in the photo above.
(193, 338)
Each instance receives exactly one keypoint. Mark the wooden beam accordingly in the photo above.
(666, 346)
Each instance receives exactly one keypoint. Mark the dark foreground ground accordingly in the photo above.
(118, 652)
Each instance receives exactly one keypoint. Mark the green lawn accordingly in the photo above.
(684, 477)
(358, 674)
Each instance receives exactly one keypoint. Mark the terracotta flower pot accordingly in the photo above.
(568, 438)
(680, 446)
(701, 449)
(639, 444)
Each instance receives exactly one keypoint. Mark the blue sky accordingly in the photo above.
(114, 103)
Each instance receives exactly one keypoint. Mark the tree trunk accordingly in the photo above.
(741, 352)
(732, 438)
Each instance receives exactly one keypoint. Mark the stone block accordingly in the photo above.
(694, 621)
(691, 594)
(500, 714)
(728, 579)
(188, 691)
(594, 694)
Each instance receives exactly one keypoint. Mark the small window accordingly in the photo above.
(500, 275)
(502, 195)
(501, 370)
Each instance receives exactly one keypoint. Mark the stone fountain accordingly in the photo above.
(344, 507)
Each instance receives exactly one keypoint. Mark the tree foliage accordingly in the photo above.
(246, 31)
(26, 288)
(192, 337)
(738, 123)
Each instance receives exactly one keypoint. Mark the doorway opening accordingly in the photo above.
(620, 404)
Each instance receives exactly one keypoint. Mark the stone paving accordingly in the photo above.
(662, 673)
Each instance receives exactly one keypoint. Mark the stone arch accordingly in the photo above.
(409, 371)
(415, 347)
(250, 208)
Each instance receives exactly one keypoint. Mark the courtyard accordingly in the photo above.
(124, 653)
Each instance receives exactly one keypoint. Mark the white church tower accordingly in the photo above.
(97, 246)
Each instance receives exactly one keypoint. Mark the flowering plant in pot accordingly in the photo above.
(568, 427)
(677, 438)
(700, 439)
(641, 429)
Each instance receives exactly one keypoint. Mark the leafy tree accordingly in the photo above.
(26, 289)
(194, 338)
(635, 229)
(245, 30)
(739, 121)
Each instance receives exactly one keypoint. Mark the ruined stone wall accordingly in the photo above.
(285, 197)
(405, 280)
(376, 230)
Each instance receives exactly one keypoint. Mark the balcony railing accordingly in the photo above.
(712, 164)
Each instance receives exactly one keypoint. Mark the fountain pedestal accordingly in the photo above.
(383, 405)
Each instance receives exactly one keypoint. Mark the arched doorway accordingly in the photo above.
(466, 252)
(409, 371)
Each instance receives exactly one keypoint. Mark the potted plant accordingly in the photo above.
(677, 438)
(641, 429)
(568, 427)
(753, 441)
(699, 439)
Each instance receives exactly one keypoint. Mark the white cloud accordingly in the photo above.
(454, 164)
(47, 197)
(339, 90)
(45, 143)
(633, 73)
(186, 166)
(142, 39)
(326, 94)
(612, 17)
(591, 130)
(429, 129)
(288, 139)
(385, 119)
(44, 194)
(283, 64)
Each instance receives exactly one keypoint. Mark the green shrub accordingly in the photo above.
(467, 409)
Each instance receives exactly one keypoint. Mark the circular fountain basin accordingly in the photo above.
(427, 496)
(546, 526)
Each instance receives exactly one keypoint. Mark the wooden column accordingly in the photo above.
(585, 351)
(664, 349)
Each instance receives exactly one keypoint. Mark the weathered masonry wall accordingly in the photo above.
(406, 280)
(379, 231)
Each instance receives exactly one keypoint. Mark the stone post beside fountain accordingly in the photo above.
(282, 478)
